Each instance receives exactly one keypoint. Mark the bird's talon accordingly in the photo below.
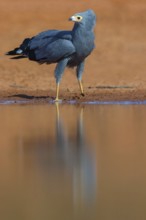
(58, 100)
(82, 94)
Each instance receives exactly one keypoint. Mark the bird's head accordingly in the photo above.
(87, 18)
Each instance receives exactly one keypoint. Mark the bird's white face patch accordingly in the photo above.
(76, 18)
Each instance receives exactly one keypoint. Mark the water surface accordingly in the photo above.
(73, 162)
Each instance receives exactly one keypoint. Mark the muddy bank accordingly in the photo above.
(96, 94)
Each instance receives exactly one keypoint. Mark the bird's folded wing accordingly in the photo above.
(51, 46)
(54, 33)
(52, 50)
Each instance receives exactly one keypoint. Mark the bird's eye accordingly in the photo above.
(79, 18)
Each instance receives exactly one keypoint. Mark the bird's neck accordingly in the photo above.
(78, 30)
(82, 39)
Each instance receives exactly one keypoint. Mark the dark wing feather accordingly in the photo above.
(55, 51)
(51, 46)
(54, 33)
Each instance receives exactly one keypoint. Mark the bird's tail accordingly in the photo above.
(16, 51)
(21, 50)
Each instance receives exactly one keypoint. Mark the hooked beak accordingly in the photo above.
(72, 18)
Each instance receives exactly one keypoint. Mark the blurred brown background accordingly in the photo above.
(116, 68)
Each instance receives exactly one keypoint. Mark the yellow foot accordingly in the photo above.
(57, 100)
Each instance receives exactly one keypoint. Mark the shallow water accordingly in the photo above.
(73, 162)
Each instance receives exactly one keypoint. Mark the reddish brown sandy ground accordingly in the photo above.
(114, 71)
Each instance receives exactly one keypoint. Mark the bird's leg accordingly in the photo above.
(57, 93)
(80, 69)
(81, 87)
(58, 75)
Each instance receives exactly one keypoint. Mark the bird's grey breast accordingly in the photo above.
(84, 42)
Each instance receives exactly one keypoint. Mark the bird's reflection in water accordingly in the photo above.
(67, 155)
(79, 158)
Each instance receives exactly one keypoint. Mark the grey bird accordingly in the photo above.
(66, 48)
